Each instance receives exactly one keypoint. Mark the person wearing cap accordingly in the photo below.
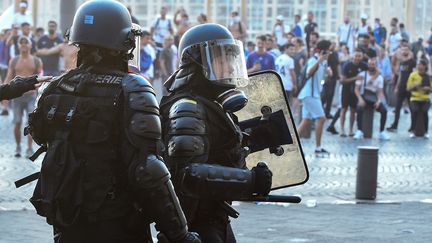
(417, 48)
(22, 16)
(279, 31)
(364, 28)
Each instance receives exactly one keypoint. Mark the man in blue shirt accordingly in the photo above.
(310, 94)
(260, 59)
(297, 29)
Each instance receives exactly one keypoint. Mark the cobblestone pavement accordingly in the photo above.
(404, 175)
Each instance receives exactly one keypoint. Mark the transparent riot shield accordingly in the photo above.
(269, 126)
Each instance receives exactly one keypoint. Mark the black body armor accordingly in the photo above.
(102, 132)
(204, 152)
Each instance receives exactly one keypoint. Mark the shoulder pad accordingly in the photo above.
(135, 83)
(140, 94)
(186, 107)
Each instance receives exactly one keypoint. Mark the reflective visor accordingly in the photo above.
(224, 62)
(134, 63)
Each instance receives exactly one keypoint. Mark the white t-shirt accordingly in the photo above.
(280, 39)
(161, 29)
(152, 52)
(363, 30)
(373, 86)
(284, 64)
(346, 34)
(394, 42)
(22, 18)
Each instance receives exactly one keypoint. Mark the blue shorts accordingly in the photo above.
(312, 108)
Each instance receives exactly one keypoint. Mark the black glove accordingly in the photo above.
(190, 237)
(263, 179)
(26, 83)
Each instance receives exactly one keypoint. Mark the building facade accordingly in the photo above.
(260, 15)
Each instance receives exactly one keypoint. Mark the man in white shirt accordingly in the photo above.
(346, 34)
(279, 31)
(364, 27)
(161, 28)
(285, 67)
(369, 92)
(394, 40)
(22, 16)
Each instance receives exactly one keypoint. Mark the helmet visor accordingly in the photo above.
(224, 62)
(134, 63)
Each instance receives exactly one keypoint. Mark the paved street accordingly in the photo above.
(328, 212)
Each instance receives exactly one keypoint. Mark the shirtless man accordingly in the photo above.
(67, 51)
(24, 65)
(237, 27)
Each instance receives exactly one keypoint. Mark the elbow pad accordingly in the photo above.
(218, 182)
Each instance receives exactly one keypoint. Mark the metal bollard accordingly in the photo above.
(368, 115)
(367, 172)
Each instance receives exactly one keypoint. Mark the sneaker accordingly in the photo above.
(358, 135)
(29, 152)
(383, 136)
(321, 151)
(406, 111)
(4, 113)
(332, 130)
(392, 128)
(412, 135)
(426, 135)
(17, 152)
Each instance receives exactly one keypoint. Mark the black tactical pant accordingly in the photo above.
(402, 95)
(127, 229)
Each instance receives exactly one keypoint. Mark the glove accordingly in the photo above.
(25, 82)
(190, 237)
(263, 179)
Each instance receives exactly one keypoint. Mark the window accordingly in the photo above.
(269, 12)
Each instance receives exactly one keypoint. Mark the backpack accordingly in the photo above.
(303, 78)
(72, 124)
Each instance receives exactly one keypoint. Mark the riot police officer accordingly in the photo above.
(204, 145)
(102, 179)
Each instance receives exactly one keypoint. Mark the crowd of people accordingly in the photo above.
(363, 61)
(365, 67)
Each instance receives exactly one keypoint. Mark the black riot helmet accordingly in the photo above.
(213, 48)
(103, 23)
